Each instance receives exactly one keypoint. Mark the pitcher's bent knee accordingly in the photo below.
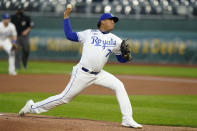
(118, 85)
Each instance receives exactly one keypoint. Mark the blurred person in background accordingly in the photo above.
(23, 25)
(8, 37)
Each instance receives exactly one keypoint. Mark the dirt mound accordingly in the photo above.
(12, 122)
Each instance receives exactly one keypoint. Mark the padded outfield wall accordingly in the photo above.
(152, 41)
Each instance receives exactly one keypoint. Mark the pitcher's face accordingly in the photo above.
(108, 24)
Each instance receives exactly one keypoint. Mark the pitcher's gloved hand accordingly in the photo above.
(126, 53)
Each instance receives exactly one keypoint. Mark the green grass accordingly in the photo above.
(61, 68)
(179, 110)
(153, 70)
(40, 68)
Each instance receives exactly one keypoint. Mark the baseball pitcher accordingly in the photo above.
(98, 44)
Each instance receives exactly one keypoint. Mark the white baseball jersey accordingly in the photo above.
(7, 31)
(97, 48)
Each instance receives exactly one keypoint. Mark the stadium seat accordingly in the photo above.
(125, 7)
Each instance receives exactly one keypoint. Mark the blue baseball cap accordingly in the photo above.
(6, 16)
(108, 16)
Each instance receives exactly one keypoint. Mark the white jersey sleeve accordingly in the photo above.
(82, 35)
(116, 50)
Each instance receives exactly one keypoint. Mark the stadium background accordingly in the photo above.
(159, 31)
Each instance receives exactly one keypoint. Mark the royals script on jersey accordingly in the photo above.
(7, 31)
(97, 47)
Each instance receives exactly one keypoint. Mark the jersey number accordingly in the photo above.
(108, 53)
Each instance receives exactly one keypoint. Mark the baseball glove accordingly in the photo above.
(14, 47)
(126, 53)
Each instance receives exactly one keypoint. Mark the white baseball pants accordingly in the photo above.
(78, 82)
(7, 46)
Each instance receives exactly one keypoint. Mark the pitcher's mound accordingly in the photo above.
(12, 122)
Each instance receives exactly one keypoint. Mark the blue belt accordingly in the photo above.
(86, 70)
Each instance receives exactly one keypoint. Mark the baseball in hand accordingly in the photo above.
(69, 6)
